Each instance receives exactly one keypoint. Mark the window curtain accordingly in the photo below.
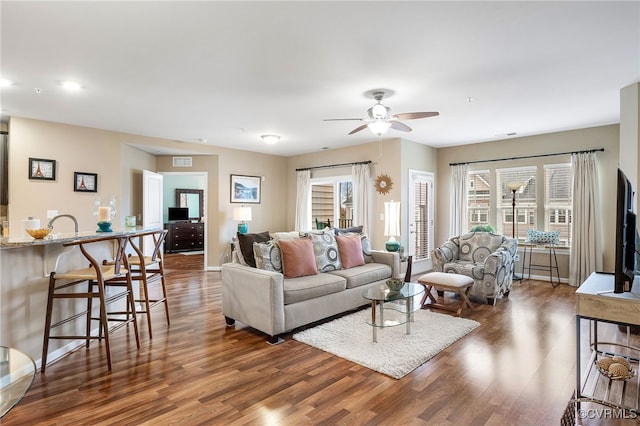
(458, 200)
(361, 176)
(586, 252)
(303, 201)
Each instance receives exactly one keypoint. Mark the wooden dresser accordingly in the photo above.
(184, 236)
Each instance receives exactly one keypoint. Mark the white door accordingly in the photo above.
(151, 206)
(420, 216)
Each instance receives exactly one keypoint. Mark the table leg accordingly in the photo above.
(409, 316)
(373, 321)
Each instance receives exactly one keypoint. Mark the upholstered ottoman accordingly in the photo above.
(455, 283)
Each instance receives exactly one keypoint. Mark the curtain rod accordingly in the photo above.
(530, 156)
(333, 165)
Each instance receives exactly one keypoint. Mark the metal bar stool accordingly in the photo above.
(553, 262)
(147, 270)
(96, 276)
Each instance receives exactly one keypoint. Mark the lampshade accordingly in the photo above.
(379, 126)
(270, 139)
(379, 111)
(392, 224)
(242, 214)
(514, 186)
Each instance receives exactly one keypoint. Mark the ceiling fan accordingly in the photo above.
(380, 118)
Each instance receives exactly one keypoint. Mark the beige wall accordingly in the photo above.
(606, 137)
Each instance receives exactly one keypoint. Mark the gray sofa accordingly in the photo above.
(486, 257)
(269, 302)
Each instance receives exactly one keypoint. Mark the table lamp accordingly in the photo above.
(392, 224)
(242, 215)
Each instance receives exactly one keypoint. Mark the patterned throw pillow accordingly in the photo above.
(325, 250)
(268, 256)
(543, 237)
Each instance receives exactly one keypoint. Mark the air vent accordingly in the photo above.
(182, 161)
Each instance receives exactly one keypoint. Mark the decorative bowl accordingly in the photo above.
(614, 370)
(395, 284)
(39, 233)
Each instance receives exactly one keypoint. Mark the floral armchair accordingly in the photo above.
(486, 257)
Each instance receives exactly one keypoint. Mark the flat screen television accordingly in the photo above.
(178, 213)
(625, 236)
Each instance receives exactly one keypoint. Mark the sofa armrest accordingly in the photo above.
(254, 297)
(388, 258)
(446, 253)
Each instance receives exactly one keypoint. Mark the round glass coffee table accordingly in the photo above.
(17, 371)
(397, 306)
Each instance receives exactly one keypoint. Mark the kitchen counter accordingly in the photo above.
(61, 238)
(25, 266)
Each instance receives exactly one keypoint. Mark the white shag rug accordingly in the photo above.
(396, 354)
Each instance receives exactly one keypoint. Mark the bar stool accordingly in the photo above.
(550, 267)
(146, 270)
(97, 277)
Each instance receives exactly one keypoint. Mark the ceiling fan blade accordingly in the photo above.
(400, 126)
(414, 115)
(357, 129)
(343, 119)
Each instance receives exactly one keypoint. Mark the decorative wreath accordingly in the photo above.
(383, 184)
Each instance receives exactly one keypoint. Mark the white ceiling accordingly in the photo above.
(229, 72)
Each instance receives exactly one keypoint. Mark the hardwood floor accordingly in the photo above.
(518, 367)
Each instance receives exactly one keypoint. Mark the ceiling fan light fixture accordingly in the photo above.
(379, 127)
(379, 111)
(270, 139)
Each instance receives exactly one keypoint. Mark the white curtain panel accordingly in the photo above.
(361, 176)
(303, 201)
(586, 251)
(458, 201)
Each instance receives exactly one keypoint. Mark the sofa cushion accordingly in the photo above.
(470, 269)
(365, 274)
(355, 229)
(292, 235)
(298, 259)
(268, 256)
(325, 250)
(246, 245)
(350, 248)
(310, 287)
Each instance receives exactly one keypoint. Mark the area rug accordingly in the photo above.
(396, 354)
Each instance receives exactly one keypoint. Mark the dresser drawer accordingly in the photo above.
(184, 236)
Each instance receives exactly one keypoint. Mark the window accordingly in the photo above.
(525, 201)
(478, 198)
(551, 213)
(332, 200)
(420, 217)
(558, 196)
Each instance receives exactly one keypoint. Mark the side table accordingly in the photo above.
(17, 371)
(550, 267)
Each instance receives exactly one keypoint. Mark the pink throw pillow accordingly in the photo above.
(350, 248)
(298, 259)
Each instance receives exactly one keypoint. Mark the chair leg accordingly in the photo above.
(47, 322)
(104, 325)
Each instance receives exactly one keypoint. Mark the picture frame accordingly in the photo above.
(245, 189)
(42, 169)
(85, 182)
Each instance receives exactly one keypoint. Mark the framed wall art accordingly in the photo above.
(245, 189)
(41, 169)
(85, 182)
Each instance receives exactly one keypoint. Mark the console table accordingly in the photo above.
(596, 301)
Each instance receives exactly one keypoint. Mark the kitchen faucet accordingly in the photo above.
(53, 219)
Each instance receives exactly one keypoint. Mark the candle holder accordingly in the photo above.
(105, 211)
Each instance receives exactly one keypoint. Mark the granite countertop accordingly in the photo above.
(61, 238)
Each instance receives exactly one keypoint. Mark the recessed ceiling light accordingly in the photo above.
(469, 100)
(5, 83)
(202, 140)
(38, 90)
(71, 85)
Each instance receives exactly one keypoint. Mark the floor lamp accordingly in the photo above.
(514, 187)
